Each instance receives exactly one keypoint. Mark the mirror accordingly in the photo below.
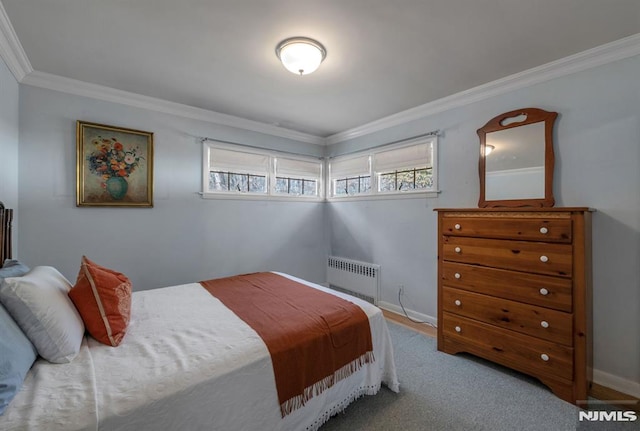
(516, 159)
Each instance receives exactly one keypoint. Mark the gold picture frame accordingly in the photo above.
(114, 166)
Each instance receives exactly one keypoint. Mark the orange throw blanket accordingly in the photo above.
(315, 339)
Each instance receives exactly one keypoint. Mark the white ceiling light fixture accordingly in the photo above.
(301, 55)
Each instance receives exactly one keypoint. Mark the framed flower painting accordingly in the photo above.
(114, 166)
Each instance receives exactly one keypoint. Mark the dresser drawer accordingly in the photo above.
(521, 352)
(542, 290)
(535, 257)
(551, 325)
(532, 229)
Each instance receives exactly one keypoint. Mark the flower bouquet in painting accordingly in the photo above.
(114, 164)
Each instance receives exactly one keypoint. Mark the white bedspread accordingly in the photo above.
(186, 363)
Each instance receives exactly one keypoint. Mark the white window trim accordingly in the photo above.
(270, 194)
(386, 196)
(374, 194)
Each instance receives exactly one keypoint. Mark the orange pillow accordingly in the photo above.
(103, 299)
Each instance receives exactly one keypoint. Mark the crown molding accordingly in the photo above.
(11, 50)
(617, 50)
(94, 91)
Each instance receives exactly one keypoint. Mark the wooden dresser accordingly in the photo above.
(514, 287)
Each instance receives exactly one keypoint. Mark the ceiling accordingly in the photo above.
(383, 57)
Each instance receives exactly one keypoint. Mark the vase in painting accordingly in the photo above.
(117, 187)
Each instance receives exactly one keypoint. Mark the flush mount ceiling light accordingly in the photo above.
(301, 55)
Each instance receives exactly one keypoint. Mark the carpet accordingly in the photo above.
(460, 392)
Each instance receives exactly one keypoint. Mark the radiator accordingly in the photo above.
(360, 279)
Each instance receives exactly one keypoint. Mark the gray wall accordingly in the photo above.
(9, 138)
(597, 165)
(184, 238)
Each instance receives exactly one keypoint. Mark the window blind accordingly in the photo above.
(286, 167)
(238, 161)
(410, 157)
(350, 166)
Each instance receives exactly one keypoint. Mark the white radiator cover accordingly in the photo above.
(361, 279)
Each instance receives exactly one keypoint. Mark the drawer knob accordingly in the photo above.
(457, 302)
(544, 324)
(544, 292)
(457, 249)
(457, 226)
(544, 357)
(458, 329)
(544, 259)
(457, 275)
(544, 230)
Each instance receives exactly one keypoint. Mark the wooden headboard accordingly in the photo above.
(6, 217)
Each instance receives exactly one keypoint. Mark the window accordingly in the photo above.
(404, 168)
(409, 179)
(408, 168)
(350, 176)
(234, 170)
(298, 177)
(237, 171)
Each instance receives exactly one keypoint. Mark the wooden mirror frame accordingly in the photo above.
(533, 115)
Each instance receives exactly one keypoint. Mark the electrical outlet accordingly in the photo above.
(401, 288)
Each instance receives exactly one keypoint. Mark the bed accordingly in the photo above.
(188, 361)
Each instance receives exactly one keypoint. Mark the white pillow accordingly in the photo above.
(39, 303)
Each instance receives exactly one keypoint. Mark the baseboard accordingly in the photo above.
(607, 396)
(412, 314)
(616, 383)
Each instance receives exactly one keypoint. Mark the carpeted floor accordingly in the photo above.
(459, 392)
